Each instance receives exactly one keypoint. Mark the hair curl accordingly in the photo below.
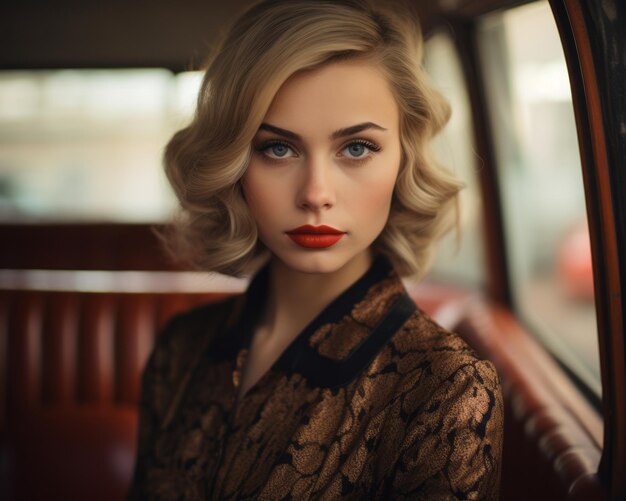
(271, 41)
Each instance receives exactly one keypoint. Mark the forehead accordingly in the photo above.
(337, 94)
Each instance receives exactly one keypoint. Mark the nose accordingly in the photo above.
(316, 191)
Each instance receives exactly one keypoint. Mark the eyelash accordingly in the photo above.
(373, 147)
(263, 147)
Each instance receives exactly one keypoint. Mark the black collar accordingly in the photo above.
(300, 356)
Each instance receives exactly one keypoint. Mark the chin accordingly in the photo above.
(317, 262)
(313, 262)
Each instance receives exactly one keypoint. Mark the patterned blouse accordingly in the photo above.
(372, 400)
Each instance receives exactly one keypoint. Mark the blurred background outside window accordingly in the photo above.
(528, 89)
(460, 259)
(86, 145)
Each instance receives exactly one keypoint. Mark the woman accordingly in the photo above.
(309, 155)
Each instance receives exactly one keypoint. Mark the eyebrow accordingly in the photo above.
(347, 131)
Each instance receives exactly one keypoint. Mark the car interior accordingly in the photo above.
(89, 94)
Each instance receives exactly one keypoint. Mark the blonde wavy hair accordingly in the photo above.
(271, 41)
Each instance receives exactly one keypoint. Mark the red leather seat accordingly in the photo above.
(73, 452)
(70, 366)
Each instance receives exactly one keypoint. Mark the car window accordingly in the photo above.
(539, 170)
(460, 258)
(87, 144)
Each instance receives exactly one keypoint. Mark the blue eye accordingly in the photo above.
(356, 149)
(359, 149)
(276, 150)
(279, 150)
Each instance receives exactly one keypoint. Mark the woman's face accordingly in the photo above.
(323, 167)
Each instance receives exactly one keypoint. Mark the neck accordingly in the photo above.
(296, 298)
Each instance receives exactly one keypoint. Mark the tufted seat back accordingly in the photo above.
(70, 366)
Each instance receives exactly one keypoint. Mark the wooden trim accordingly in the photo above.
(575, 26)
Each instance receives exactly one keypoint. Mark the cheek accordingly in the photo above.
(369, 206)
(379, 201)
(376, 197)
(262, 197)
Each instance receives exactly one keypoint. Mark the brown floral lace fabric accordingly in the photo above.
(373, 400)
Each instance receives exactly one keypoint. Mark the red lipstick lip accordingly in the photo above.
(315, 237)
(308, 229)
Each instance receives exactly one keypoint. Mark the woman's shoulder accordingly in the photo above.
(188, 333)
(450, 410)
(177, 350)
(194, 322)
(439, 355)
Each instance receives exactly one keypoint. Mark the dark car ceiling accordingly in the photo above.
(111, 33)
(115, 33)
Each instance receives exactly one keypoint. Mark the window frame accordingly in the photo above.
(580, 25)
(586, 36)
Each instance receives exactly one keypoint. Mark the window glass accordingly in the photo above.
(460, 257)
(540, 174)
(87, 144)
